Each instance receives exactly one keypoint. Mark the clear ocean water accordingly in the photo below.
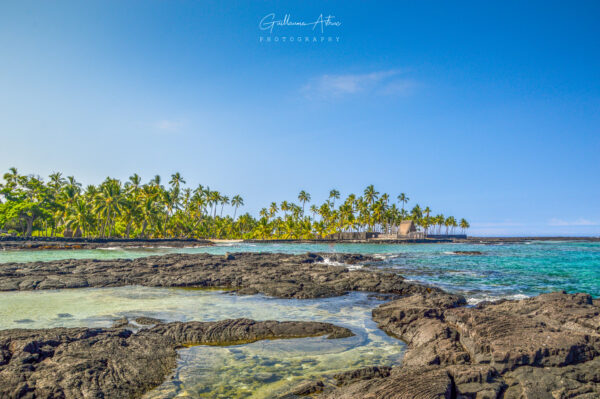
(503, 270)
(262, 369)
(265, 369)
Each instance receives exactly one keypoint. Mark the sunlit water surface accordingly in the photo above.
(265, 368)
(505, 270)
(258, 370)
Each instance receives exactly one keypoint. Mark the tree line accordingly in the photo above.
(61, 206)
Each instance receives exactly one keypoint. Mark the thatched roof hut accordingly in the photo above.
(406, 227)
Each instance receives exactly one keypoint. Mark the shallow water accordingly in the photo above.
(265, 368)
(256, 370)
(505, 270)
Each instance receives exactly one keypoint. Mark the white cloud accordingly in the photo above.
(577, 222)
(335, 86)
(168, 125)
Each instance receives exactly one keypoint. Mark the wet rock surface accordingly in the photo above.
(117, 363)
(542, 347)
(278, 275)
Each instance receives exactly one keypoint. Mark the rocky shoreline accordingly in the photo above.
(277, 275)
(117, 363)
(542, 347)
(55, 243)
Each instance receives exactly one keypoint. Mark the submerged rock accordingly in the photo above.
(117, 363)
(23, 321)
(467, 253)
(279, 275)
(122, 322)
(144, 321)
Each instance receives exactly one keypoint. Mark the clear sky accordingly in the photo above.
(483, 110)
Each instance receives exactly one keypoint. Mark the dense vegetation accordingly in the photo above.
(61, 206)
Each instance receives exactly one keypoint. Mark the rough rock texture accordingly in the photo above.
(117, 363)
(279, 275)
(542, 347)
(365, 373)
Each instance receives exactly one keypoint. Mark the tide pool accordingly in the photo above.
(258, 370)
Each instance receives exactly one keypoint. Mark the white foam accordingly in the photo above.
(491, 298)
(354, 267)
(410, 280)
(329, 262)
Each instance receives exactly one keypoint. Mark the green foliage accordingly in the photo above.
(60, 206)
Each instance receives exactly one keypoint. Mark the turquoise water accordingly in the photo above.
(507, 270)
(266, 368)
(258, 370)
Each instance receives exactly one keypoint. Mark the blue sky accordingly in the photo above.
(489, 111)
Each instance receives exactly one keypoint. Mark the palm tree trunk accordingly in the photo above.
(128, 228)
(29, 226)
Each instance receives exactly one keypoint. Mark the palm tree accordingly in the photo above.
(448, 222)
(314, 210)
(439, 221)
(464, 225)
(176, 180)
(80, 216)
(285, 206)
(334, 195)
(151, 210)
(72, 182)
(108, 203)
(224, 201)
(427, 211)
(130, 212)
(56, 181)
(376, 215)
(303, 197)
(263, 229)
(236, 202)
(213, 198)
(273, 209)
(370, 194)
(453, 223)
(134, 183)
(403, 199)
(416, 214)
(11, 177)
